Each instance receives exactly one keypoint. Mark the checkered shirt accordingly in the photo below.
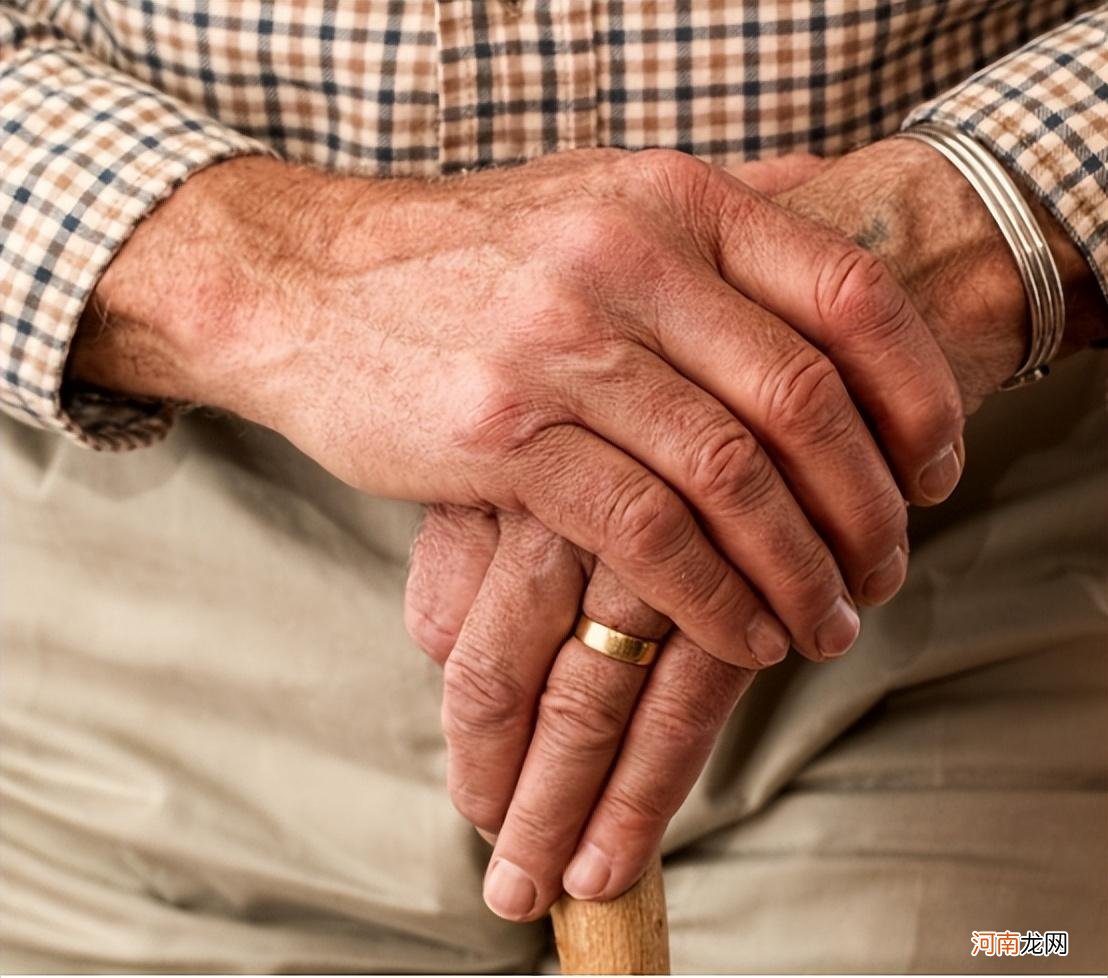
(105, 107)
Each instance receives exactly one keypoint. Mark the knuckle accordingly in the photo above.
(857, 296)
(805, 396)
(480, 697)
(861, 302)
(883, 518)
(729, 463)
(593, 229)
(499, 416)
(935, 409)
(671, 169)
(578, 720)
(534, 829)
(616, 365)
(691, 188)
(647, 523)
(600, 239)
(640, 811)
(712, 597)
(679, 724)
(810, 577)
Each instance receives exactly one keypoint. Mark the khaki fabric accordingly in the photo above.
(219, 750)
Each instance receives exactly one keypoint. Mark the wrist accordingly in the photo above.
(195, 304)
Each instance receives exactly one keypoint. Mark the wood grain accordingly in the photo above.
(625, 936)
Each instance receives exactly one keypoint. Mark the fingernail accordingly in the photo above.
(489, 837)
(886, 578)
(837, 632)
(767, 640)
(509, 891)
(588, 873)
(940, 475)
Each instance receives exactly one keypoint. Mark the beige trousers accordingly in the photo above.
(219, 750)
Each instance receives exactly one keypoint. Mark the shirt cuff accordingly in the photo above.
(85, 154)
(1043, 111)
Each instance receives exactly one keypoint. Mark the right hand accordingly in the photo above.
(571, 339)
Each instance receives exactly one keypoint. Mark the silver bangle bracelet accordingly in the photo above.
(1034, 260)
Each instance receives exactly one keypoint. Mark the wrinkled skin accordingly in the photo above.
(631, 357)
(580, 762)
(627, 346)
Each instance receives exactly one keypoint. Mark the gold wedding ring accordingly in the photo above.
(614, 644)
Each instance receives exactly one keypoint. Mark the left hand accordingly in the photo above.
(493, 598)
(503, 587)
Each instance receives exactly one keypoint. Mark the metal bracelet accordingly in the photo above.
(1034, 260)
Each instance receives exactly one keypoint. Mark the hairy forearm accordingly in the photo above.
(202, 302)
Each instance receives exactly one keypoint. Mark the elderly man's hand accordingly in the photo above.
(536, 769)
(594, 767)
(639, 350)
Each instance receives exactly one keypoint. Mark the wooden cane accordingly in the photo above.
(625, 936)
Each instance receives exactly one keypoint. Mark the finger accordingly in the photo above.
(793, 400)
(449, 559)
(686, 702)
(843, 299)
(591, 493)
(581, 718)
(774, 175)
(696, 445)
(527, 605)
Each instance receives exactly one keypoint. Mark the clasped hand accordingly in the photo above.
(630, 383)
(736, 402)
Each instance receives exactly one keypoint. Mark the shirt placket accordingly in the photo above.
(516, 80)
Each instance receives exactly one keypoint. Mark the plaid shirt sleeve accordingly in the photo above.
(85, 153)
(1043, 110)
